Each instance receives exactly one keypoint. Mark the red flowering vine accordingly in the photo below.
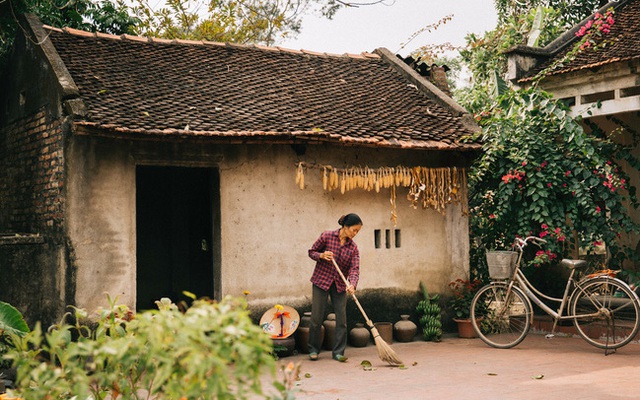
(513, 174)
(599, 25)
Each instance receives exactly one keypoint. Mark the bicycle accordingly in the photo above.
(604, 309)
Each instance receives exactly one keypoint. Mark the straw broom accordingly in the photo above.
(385, 352)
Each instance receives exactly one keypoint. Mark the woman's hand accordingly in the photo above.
(327, 255)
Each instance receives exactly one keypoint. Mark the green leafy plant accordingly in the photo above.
(430, 315)
(11, 323)
(463, 292)
(211, 350)
(542, 174)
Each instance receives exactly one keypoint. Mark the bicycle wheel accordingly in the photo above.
(498, 320)
(606, 312)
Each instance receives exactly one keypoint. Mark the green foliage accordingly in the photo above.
(11, 320)
(236, 21)
(430, 316)
(463, 292)
(570, 12)
(104, 16)
(542, 174)
(11, 323)
(485, 58)
(212, 350)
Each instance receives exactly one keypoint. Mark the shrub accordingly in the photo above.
(212, 350)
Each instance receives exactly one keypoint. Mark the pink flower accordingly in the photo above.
(544, 226)
(524, 163)
(567, 173)
(589, 23)
(544, 164)
(581, 31)
(543, 234)
(549, 184)
(492, 216)
(598, 209)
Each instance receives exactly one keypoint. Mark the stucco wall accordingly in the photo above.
(267, 222)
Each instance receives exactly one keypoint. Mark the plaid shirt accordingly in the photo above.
(347, 256)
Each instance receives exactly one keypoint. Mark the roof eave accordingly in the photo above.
(262, 137)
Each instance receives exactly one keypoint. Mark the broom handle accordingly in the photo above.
(346, 282)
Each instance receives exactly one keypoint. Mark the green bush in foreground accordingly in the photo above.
(213, 350)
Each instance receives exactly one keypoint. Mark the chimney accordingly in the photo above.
(438, 76)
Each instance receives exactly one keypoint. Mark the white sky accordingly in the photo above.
(354, 30)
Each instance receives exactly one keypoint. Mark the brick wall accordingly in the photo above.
(32, 175)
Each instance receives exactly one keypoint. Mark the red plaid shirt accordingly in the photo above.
(347, 256)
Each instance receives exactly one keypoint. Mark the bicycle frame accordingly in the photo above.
(536, 296)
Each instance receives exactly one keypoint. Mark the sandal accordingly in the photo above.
(340, 357)
(313, 356)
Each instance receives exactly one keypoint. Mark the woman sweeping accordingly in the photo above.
(335, 245)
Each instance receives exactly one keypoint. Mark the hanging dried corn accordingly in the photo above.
(433, 188)
(300, 175)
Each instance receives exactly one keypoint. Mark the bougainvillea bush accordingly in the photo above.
(542, 174)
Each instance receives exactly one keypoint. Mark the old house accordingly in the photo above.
(144, 167)
(601, 82)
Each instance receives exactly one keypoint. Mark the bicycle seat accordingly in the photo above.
(573, 264)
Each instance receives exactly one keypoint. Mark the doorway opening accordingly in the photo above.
(177, 225)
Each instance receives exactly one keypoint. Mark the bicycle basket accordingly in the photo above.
(501, 263)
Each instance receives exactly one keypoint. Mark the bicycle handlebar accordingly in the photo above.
(523, 242)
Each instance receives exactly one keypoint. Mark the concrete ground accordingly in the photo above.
(538, 368)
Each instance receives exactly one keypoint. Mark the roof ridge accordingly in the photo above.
(143, 39)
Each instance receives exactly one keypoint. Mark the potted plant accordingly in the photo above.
(460, 304)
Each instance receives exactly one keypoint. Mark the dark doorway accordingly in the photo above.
(175, 229)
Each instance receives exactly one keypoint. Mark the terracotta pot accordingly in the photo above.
(329, 332)
(405, 330)
(286, 346)
(465, 328)
(385, 329)
(359, 336)
(302, 334)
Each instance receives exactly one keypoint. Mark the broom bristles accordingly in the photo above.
(385, 352)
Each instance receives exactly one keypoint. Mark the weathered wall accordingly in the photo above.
(32, 131)
(267, 222)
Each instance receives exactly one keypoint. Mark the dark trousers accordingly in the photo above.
(318, 303)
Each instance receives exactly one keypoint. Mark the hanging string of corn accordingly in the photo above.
(432, 188)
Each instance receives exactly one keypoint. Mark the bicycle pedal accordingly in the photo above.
(549, 336)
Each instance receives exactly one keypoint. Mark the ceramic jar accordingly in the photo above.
(359, 335)
(385, 329)
(284, 347)
(405, 329)
(302, 333)
(329, 332)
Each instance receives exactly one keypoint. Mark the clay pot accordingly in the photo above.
(302, 333)
(329, 332)
(284, 347)
(405, 330)
(385, 329)
(465, 328)
(359, 336)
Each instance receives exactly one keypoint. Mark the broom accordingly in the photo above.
(385, 352)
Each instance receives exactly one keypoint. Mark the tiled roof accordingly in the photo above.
(622, 42)
(140, 87)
